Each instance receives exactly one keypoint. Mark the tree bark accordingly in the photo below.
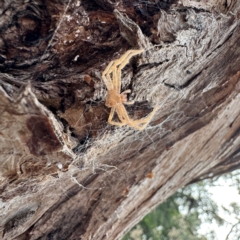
(65, 172)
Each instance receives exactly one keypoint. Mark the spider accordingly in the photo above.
(115, 99)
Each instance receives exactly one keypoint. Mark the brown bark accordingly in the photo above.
(65, 172)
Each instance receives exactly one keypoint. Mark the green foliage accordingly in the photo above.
(181, 216)
(178, 218)
(166, 222)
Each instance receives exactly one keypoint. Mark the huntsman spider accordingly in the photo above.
(115, 99)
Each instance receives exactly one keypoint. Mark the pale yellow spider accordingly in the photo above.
(115, 99)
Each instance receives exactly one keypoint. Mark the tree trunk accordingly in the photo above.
(68, 174)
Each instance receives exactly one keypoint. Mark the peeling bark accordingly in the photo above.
(65, 173)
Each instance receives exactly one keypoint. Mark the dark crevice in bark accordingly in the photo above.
(63, 53)
(190, 80)
(192, 168)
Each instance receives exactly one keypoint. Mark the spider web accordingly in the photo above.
(165, 91)
(159, 81)
(162, 91)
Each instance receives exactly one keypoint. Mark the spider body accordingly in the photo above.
(115, 99)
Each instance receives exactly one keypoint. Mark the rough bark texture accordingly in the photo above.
(65, 173)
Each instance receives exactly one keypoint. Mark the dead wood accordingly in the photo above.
(65, 172)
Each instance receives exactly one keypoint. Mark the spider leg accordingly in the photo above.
(143, 122)
(122, 114)
(119, 64)
(126, 91)
(139, 124)
(106, 76)
(129, 102)
(113, 122)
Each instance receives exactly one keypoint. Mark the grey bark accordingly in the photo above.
(65, 172)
